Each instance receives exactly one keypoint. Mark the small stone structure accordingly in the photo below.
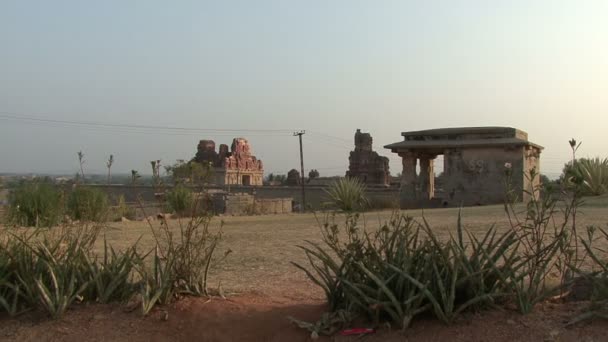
(476, 160)
(293, 177)
(238, 204)
(367, 165)
(237, 166)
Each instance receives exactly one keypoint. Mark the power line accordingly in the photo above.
(10, 116)
(332, 168)
(326, 142)
(145, 132)
(331, 137)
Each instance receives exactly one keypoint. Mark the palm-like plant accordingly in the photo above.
(594, 174)
(348, 194)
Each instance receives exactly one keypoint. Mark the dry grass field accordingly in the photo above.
(263, 247)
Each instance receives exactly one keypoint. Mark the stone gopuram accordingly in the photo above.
(365, 164)
(235, 167)
(476, 161)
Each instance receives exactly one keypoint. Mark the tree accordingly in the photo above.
(273, 179)
(189, 172)
(109, 165)
(544, 180)
(313, 174)
(134, 177)
(270, 177)
(81, 161)
(281, 179)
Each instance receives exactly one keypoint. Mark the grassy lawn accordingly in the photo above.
(263, 247)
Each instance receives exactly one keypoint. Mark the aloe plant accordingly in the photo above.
(58, 288)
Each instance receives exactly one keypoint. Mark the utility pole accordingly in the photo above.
(303, 205)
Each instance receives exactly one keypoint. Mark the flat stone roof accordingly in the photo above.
(462, 137)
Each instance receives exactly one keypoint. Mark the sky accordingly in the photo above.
(264, 69)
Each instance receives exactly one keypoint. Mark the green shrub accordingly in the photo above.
(35, 203)
(180, 200)
(348, 194)
(88, 204)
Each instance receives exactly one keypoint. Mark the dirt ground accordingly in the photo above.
(259, 317)
(263, 289)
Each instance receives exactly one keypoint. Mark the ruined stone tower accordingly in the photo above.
(366, 164)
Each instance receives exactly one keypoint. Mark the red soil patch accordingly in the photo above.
(259, 317)
(242, 318)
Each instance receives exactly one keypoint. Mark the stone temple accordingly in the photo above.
(235, 167)
(475, 163)
(365, 164)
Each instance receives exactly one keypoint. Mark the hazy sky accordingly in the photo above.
(328, 67)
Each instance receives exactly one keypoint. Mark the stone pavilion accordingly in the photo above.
(476, 161)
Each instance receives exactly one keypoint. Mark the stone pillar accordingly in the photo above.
(408, 179)
(427, 177)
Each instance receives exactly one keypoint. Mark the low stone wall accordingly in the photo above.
(316, 196)
(246, 204)
(238, 204)
(273, 205)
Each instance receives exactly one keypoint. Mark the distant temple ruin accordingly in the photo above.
(365, 164)
(235, 167)
(475, 161)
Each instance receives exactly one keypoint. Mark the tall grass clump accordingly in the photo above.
(183, 256)
(87, 204)
(348, 194)
(547, 242)
(180, 261)
(36, 203)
